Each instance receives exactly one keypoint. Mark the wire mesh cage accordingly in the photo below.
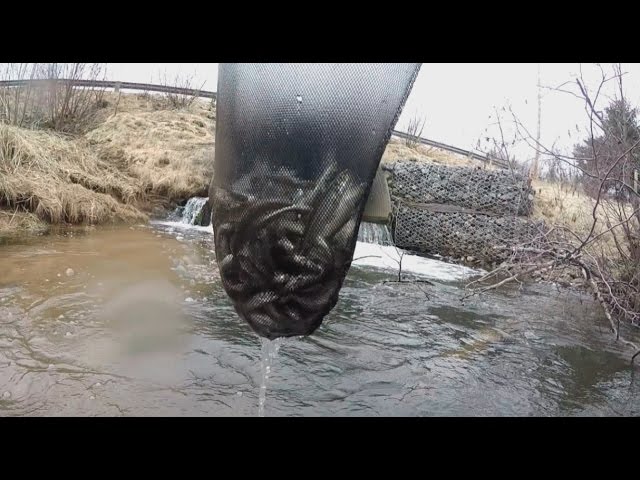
(459, 211)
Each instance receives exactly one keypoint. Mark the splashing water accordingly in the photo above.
(190, 212)
(374, 233)
(386, 351)
(270, 350)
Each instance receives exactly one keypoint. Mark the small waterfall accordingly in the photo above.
(377, 233)
(192, 212)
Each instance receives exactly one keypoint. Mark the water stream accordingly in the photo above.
(122, 321)
(270, 350)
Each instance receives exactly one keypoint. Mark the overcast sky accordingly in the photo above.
(458, 100)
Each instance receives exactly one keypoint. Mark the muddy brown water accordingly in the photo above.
(134, 321)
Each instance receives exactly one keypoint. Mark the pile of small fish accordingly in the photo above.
(284, 246)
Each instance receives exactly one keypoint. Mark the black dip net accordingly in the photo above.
(297, 149)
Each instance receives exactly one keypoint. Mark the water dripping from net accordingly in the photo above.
(270, 350)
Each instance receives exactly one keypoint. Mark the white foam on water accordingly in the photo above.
(381, 257)
(183, 226)
(388, 258)
(374, 233)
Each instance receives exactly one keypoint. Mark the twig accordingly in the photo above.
(536, 268)
(366, 256)
(115, 112)
(607, 160)
(12, 217)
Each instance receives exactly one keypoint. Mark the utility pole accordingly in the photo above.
(535, 169)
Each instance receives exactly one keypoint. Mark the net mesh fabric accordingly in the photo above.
(297, 149)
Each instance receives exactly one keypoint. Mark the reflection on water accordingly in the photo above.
(134, 321)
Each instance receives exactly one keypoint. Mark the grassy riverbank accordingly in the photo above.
(140, 155)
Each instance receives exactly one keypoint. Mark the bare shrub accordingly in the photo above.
(175, 100)
(414, 130)
(51, 97)
(604, 251)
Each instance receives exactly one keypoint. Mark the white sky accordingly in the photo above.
(458, 99)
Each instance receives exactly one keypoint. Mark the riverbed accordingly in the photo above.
(134, 321)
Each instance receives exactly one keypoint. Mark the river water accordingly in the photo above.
(134, 321)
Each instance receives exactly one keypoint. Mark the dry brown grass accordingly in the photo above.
(17, 223)
(150, 102)
(60, 180)
(142, 154)
(559, 203)
(397, 150)
(562, 204)
(142, 151)
(169, 152)
(567, 207)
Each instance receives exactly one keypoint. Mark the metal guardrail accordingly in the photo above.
(148, 87)
(425, 141)
(115, 85)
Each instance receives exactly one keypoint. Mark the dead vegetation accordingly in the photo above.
(179, 100)
(47, 101)
(414, 130)
(590, 205)
(592, 210)
(77, 156)
(18, 222)
(60, 180)
(169, 152)
(398, 150)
